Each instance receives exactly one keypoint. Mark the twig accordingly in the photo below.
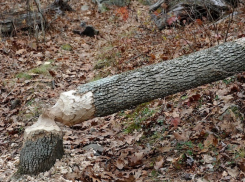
(8, 94)
(156, 5)
(37, 2)
(135, 57)
(229, 25)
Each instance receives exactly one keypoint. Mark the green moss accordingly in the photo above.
(145, 2)
(236, 111)
(28, 116)
(185, 146)
(154, 173)
(232, 109)
(40, 70)
(26, 76)
(241, 153)
(66, 47)
(229, 80)
(136, 119)
(107, 57)
(101, 74)
(51, 60)
(102, 63)
(43, 69)
(132, 127)
(30, 102)
(137, 110)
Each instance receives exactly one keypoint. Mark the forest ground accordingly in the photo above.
(196, 135)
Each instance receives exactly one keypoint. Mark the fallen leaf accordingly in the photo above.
(175, 122)
(208, 159)
(159, 164)
(180, 137)
(21, 51)
(136, 159)
(233, 172)
(120, 164)
(210, 140)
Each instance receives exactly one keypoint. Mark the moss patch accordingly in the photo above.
(66, 47)
(43, 69)
(40, 70)
(25, 76)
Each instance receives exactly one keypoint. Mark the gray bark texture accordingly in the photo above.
(43, 144)
(128, 89)
(41, 154)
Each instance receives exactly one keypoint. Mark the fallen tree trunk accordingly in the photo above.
(186, 11)
(115, 93)
(118, 92)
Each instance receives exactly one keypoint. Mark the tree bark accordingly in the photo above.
(43, 144)
(118, 92)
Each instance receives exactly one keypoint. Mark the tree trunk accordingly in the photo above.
(43, 144)
(118, 92)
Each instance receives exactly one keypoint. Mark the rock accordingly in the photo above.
(98, 149)
(15, 103)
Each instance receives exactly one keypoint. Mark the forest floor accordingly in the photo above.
(196, 135)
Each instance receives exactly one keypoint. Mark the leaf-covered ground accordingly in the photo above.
(197, 135)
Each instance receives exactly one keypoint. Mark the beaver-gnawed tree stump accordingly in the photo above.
(43, 144)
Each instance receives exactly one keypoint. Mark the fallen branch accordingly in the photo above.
(23, 20)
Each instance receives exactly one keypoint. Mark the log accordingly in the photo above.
(22, 20)
(118, 92)
(179, 11)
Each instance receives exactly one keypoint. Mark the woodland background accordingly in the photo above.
(196, 135)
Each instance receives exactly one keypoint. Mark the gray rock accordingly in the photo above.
(85, 7)
(98, 149)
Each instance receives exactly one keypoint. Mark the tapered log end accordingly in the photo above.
(73, 108)
(43, 144)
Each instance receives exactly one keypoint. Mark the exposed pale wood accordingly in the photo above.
(43, 144)
(128, 89)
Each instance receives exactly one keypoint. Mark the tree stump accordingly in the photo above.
(43, 144)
